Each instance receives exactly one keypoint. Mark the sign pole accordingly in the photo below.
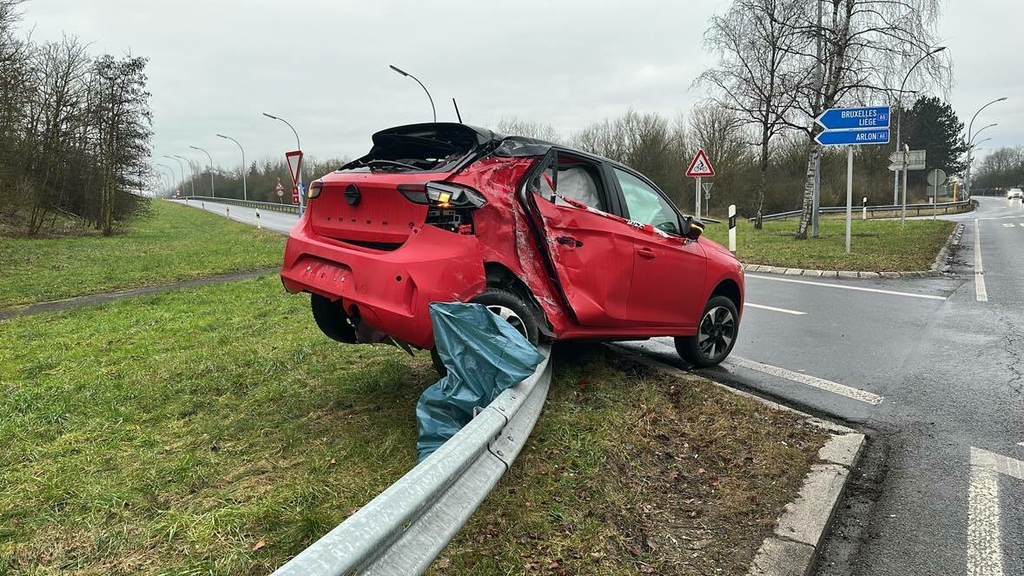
(849, 195)
(903, 211)
(697, 198)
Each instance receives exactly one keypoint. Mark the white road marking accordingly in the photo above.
(843, 287)
(979, 273)
(820, 383)
(774, 309)
(1021, 444)
(984, 551)
(1011, 225)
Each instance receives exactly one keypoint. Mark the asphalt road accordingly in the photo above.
(930, 369)
(277, 221)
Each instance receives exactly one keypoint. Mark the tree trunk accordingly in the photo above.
(762, 177)
(805, 216)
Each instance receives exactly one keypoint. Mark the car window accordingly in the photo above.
(575, 183)
(645, 205)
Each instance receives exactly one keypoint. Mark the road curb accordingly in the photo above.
(796, 540)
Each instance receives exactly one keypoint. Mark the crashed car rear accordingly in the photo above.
(560, 243)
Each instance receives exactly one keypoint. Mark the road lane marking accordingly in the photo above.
(842, 287)
(820, 383)
(774, 309)
(979, 273)
(984, 551)
(1011, 225)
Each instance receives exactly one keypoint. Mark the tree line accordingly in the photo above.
(74, 133)
(1002, 169)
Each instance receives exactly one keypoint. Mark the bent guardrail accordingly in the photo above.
(403, 529)
(895, 208)
(274, 207)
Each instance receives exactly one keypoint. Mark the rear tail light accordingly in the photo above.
(443, 195)
(315, 188)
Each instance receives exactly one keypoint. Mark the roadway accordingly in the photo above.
(930, 368)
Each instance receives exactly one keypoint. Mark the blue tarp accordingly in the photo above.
(484, 355)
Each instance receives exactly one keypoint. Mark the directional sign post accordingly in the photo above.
(851, 127)
(700, 167)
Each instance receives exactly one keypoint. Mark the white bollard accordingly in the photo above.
(258, 225)
(227, 212)
(732, 228)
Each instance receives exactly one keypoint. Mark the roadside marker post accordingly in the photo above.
(258, 225)
(864, 208)
(732, 228)
(700, 167)
(850, 127)
(227, 212)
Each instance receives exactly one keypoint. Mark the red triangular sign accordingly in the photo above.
(294, 164)
(700, 166)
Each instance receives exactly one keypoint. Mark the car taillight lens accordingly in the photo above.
(315, 188)
(415, 193)
(443, 195)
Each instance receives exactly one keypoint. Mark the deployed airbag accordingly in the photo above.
(484, 355)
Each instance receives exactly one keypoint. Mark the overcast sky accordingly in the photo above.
(216, 65)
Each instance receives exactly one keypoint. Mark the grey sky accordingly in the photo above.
(216, 65)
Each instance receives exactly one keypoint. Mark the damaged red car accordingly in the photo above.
(562, 244)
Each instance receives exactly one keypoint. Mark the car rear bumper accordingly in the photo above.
(388, 290)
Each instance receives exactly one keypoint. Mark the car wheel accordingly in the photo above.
(510, 308)
(715, 337)
(332, 320)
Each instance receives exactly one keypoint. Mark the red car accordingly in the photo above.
(561, 243)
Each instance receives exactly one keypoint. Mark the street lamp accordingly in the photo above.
(298, 146)
(980, 130)
(404, 73)
(899, 119)
(967, 177)
(171, 171)
(213, 192)
(192, 181)
(245, 192)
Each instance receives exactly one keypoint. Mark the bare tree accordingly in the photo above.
(515, 126)
(759, 73)
(866, 45)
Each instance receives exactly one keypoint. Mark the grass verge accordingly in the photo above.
(173, 243)
(877, 245)
(215, 431)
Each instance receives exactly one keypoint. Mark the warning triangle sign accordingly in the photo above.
(700, 167)
(294, 164)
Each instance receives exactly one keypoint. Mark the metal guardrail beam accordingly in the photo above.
(272, 206)
(403, 530)
(918, 208)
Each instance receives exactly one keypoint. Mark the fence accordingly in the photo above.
(887, 211)
(289, 208)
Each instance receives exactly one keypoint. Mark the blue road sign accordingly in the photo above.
(848, 118)
(853, 137)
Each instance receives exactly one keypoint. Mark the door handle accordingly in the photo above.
(569, 241)
(646, 253)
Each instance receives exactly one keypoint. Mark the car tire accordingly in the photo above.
(715, 337)
(331, 319)
(508, 306)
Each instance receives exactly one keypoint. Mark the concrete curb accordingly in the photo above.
(939, 267)
(794, 544)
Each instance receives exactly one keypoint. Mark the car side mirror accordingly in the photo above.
(692, 228)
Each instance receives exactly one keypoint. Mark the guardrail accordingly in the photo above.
(289, 208)
(402, 530)
(872, 210)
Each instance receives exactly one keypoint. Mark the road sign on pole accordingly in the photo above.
(848, 126)
(294, 165)
(915, 160)
(700, 167)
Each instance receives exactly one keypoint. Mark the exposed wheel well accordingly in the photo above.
(730, 290)
(498, 276)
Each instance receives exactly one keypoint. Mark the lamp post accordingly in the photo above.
(404, 73)
(298, 146)
(169, 169)
(213, 192)
(191, 180)
(967, 177)
(245, 191)
(899, 119)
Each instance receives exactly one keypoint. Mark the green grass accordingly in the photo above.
(173, 243)
(876, 245)
(214, 430)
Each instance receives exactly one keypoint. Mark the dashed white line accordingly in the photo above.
(844, 287)
(979, 273)
(820, 383)
(774, 309)
(984, 550)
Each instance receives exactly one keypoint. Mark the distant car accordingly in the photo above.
(560, 243)
(1015, 194)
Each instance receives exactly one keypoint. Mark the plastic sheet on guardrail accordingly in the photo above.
(484, 355)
